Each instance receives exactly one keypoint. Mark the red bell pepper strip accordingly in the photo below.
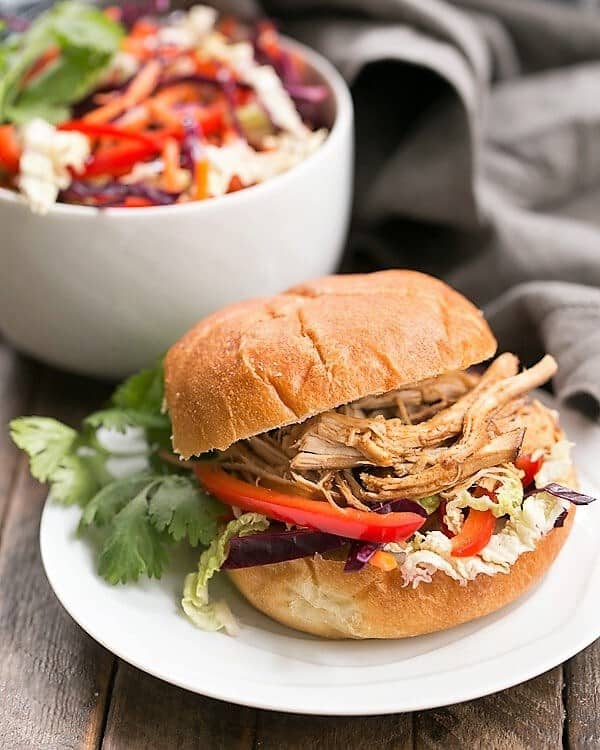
(530, 466)
(118, 160)
(100, 129)
(10, 150)
(312, 514)
(476, 532)
(211, 118)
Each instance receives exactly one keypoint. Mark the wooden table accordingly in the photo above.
(59, 689)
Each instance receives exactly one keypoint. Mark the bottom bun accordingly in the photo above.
(316, 596)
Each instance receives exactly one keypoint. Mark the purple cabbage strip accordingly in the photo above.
(229, 88)
(15, 23)
(564, 493)
(359, 555)
(112, 193)
(191, 145)
(283, 65)
(268, 547)
(402, 505)
(156, 195)
(314, 94)
(308, 99)
(560, 521)
(133, 11)
(286, 69)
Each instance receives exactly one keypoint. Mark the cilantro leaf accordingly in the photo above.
(73, 481)
(112, 498)
(121, 419)
(137, 403)
(45, 440)
(142, 392)
(86, 39)
(180, 507)
(28, 109)
(133, 545)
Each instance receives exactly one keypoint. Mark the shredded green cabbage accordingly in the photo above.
(557, 464)
(431, 503)
(196, 603)
(507, 502)
(529, 519)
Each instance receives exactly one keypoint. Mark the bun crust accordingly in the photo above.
(269, 362)
(316, 596)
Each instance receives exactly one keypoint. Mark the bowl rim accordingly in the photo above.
(342, 122)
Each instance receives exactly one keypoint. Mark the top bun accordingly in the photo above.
(273, 361)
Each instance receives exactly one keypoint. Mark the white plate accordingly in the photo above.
(269, 666)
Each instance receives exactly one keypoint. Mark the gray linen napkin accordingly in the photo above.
(478, 158)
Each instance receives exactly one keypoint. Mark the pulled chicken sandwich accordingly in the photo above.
(381, 481)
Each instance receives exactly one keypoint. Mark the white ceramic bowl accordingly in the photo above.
(105, 292)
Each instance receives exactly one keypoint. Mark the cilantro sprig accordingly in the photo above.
(139, 516)
(46, 441)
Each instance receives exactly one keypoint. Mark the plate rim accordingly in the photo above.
(556, 655)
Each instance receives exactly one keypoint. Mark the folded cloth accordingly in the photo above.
(478, 157)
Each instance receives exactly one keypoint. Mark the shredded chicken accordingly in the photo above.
(383, 442)
(422, 439)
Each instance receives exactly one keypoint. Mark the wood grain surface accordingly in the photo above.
(59, 689)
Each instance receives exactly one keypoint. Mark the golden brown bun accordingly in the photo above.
(265, 363)
(315, 595)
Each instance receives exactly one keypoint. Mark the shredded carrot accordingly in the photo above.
(235, 184)
(139, 40)
(113, 12)
(137, 47)
(384, 561)
(205, 66)
(104, 97)
(139, 89)
(268, 39)
(135, 119)
(132, 201)
(107, 112)
(200, 188)
(143, 84)
(178, 93)
(48, 57)
(169, 52)
(163, 115)
(143, 27)
(228, 26)
(229, 135)
(170, 156)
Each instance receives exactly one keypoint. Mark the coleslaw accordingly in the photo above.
(102, 108)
